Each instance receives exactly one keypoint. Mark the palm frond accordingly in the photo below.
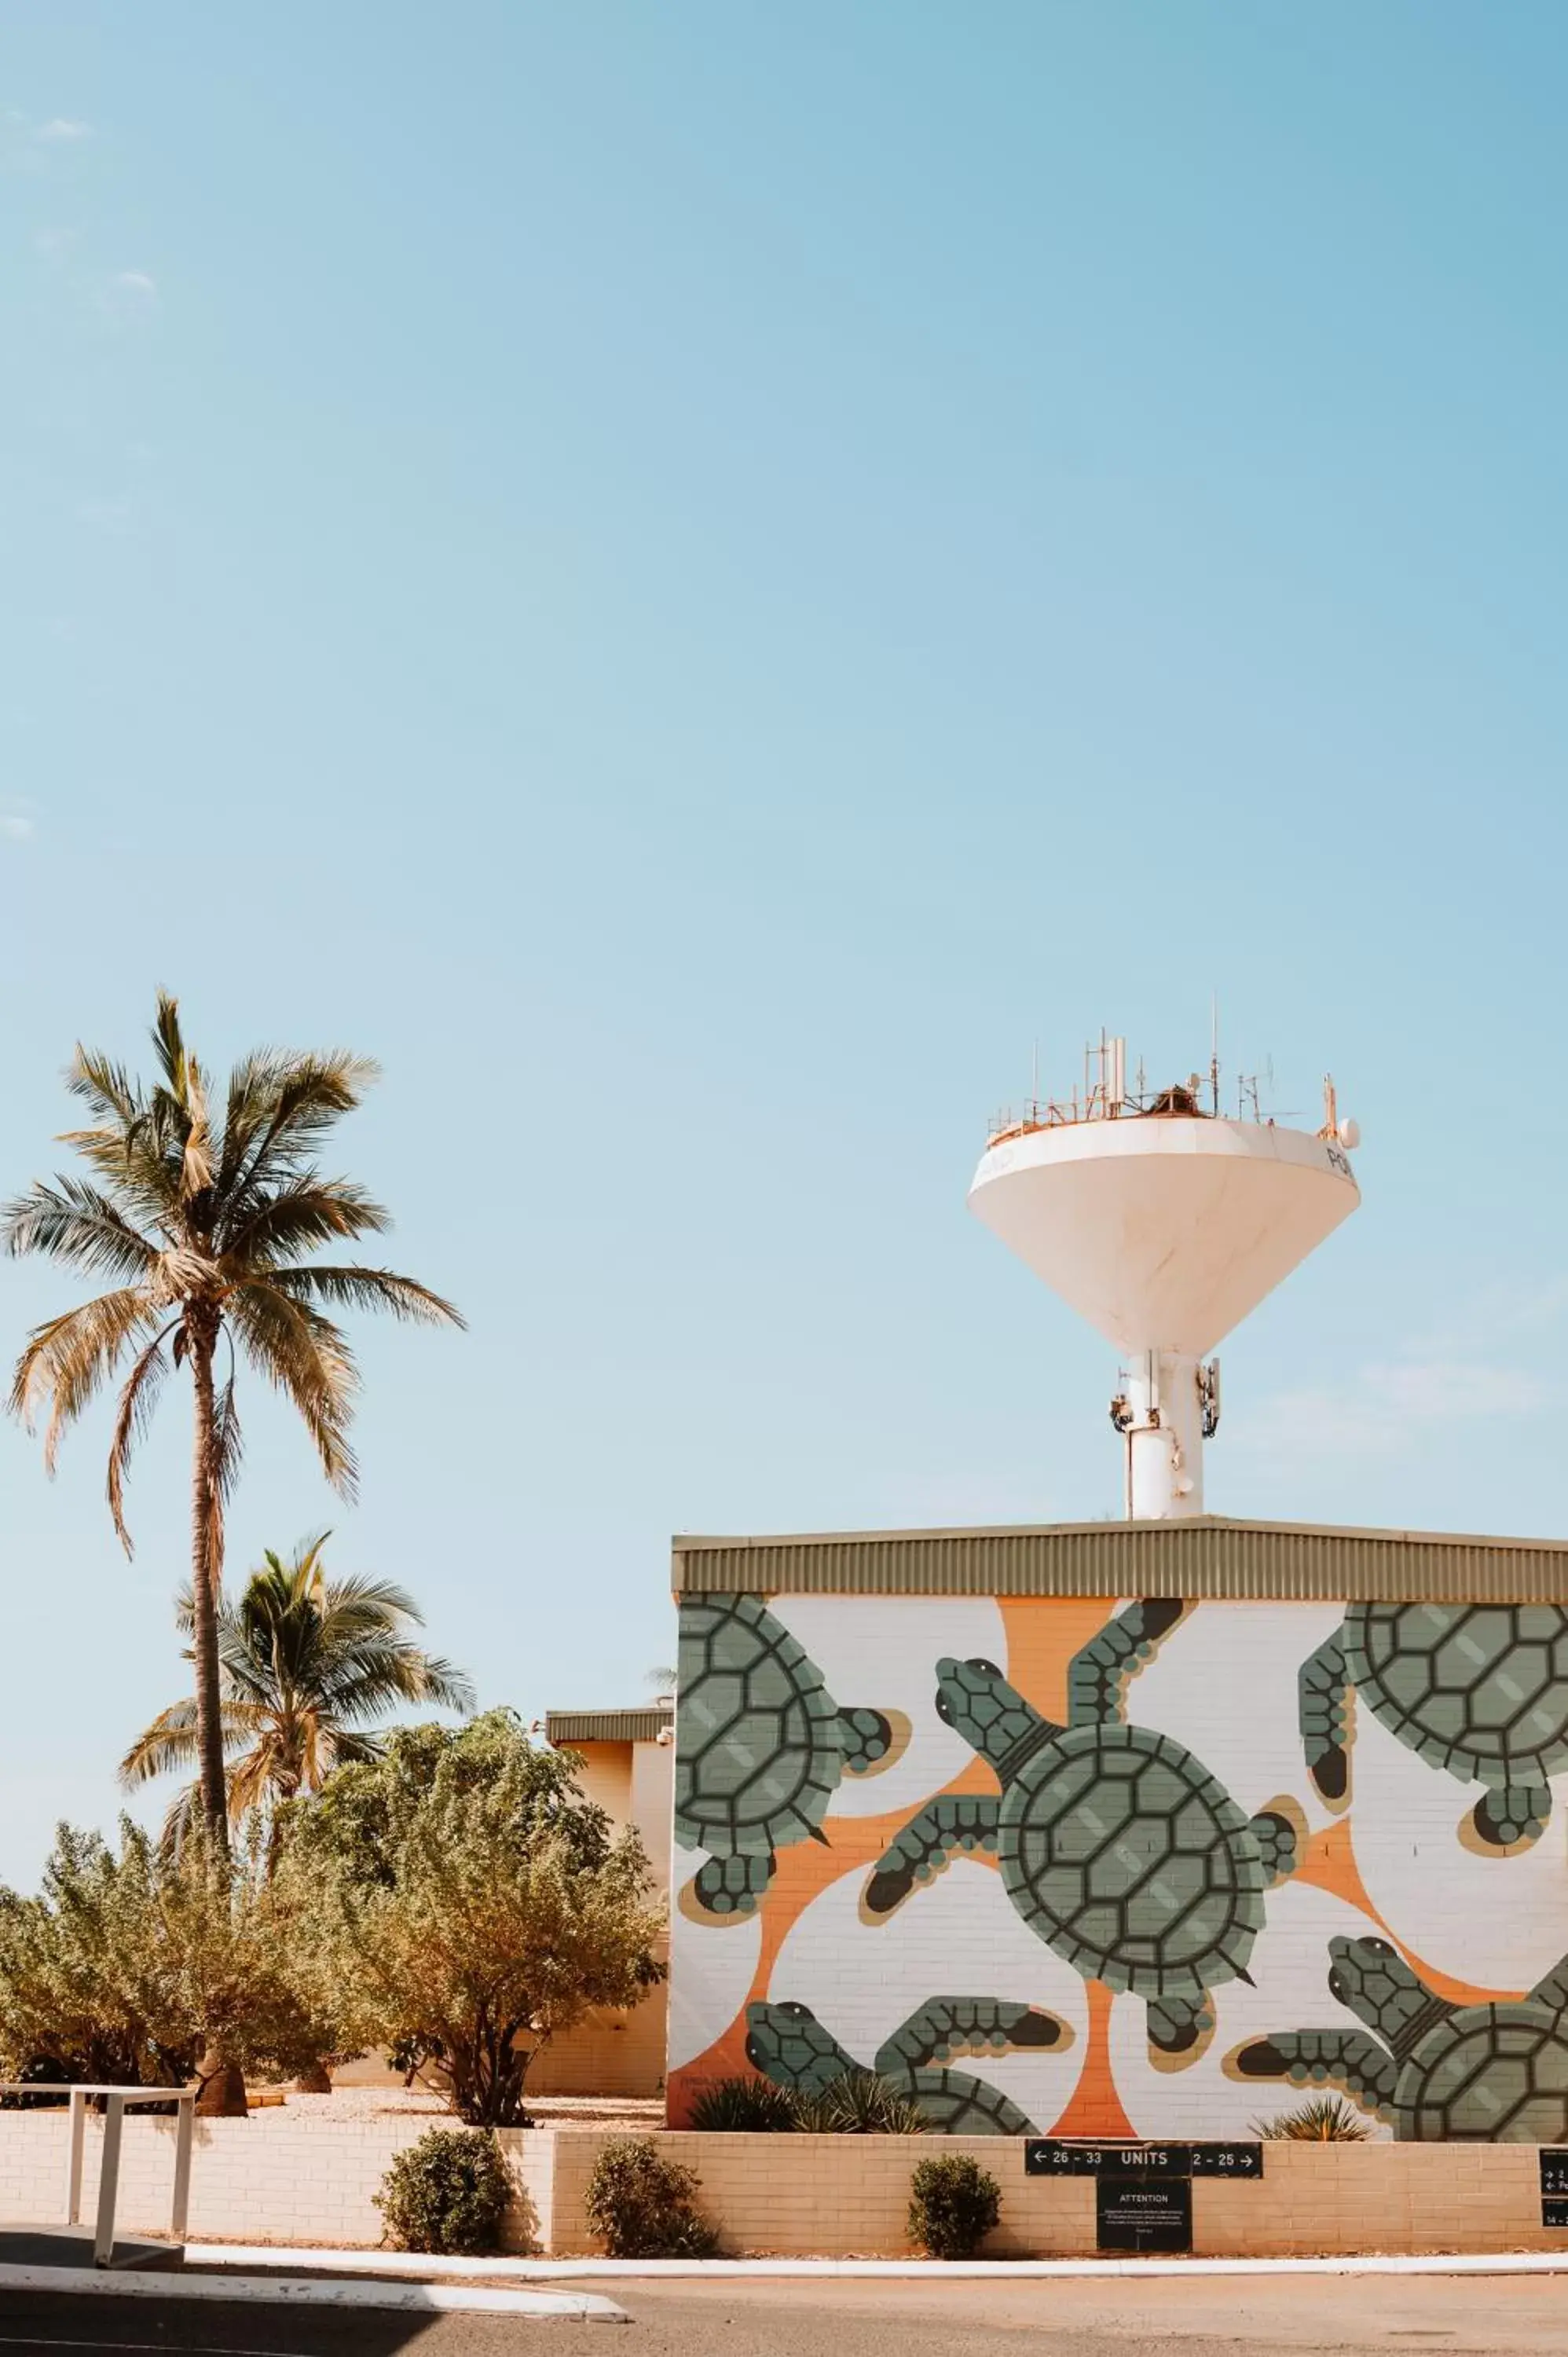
(306, 1211)
(138, 1399)
(252, 1093)
(308, 1094)
(228, 1448)
(134, 1172)
(170, 1741)
(66, 1361)
(354, 1605)
(368, 1288)
(354, 1747)
(168, 1042)
(104, 1087)
(197, 1160)
(79, 1226)
(305, 1357)
(376, 1678)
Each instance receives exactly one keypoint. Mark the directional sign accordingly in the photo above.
(1054, 2157)
(1044, 2157)
(1227, 2161)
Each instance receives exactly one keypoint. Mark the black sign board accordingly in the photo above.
(1227, 2161)
(1048, 2157)
(1149, 2213)
(1043, 2157)
(1554, 2187)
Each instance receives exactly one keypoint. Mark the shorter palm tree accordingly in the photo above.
(308, 1666)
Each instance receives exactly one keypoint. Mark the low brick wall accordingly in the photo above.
(270, 2178)
(282, 2179)
(840, 2196)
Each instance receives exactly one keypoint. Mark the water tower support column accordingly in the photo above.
(1162, 1419)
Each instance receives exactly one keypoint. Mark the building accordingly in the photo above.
(1105, 1870)
(628, 1759)
(1143, 1827)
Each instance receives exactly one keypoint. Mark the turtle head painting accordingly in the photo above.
(1147, 1840)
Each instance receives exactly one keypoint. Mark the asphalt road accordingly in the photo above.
(1213, 2317)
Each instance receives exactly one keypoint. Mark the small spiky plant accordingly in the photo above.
(1323, 2119)
(859, 2103)
(745, 2106)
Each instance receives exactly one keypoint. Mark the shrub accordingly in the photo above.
(134, 1962)
(466, 1903)
(858, 2103)
(745, 2106)
(1324, 2119)
(447, 2193)
(954, 2205)
(642, 2206)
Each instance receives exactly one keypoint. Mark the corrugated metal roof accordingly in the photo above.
(1209, 1556)
(607, 1726)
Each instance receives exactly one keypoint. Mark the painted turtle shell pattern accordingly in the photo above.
(1119, 1847)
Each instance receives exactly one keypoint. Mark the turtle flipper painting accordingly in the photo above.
(763, 1744)
(1480, 1690)
(789, 2045)
(1440, 2073)
(1129, 1784)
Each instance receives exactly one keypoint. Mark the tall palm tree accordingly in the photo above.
(307, 1665)
(205, 1220)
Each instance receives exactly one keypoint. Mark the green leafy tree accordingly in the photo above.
(469, 1904)
(204, 1216)
(73, 1985)
(133, 1964)
(307, 1664)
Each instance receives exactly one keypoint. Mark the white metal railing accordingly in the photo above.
(115, 2100)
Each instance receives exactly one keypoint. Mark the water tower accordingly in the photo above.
(1162, 1223)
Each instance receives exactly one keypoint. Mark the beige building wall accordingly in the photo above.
(615, 2052)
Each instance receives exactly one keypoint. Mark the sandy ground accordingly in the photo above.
(547, 2111)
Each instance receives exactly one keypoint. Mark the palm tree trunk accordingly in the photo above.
(221, 2082)
(204, 1570)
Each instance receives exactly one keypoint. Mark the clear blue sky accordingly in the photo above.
(696, 579)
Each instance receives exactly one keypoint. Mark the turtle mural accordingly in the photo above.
(1496, 2073)
(761, 1748)
(1478, 1689)
(1117, 1846)
(790, 2046)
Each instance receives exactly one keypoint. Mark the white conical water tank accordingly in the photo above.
(1162, 1229)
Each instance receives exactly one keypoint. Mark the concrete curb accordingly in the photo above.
(285, 2291)
(417, 2264)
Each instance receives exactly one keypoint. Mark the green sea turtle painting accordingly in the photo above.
(1436, 2071)
(1478, 1689)
(760, 1748)
(1117, 1846)
(789, 2046)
